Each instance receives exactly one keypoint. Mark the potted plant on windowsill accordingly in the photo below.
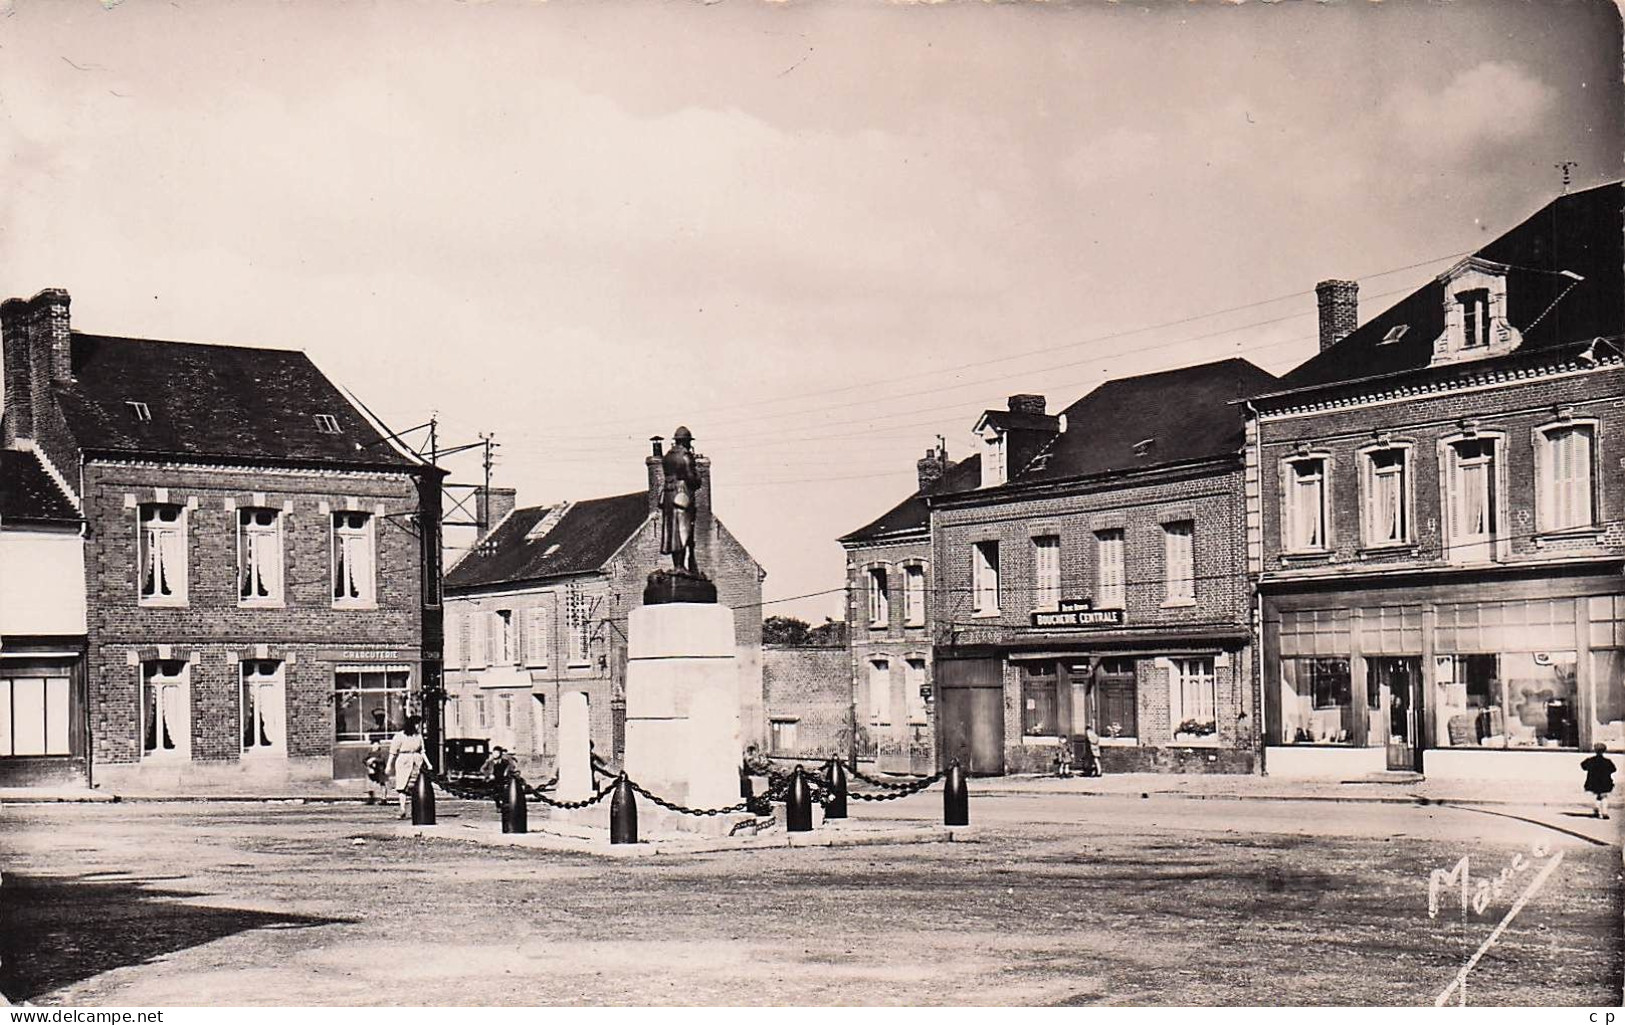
(1194, 729)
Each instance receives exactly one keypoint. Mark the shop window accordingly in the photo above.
(985, 578)
(367, 700)
(1317, 701)
(1109, 569)
(1608, 677)
(33, 716)
(1508, 700)
(353, 551)
(1194, 699)
(1116, 708)
(880, 692)
(1565, 456)
(914, 595)
(163, 554)
(1306, 514)
(166, 713)
(1038, 702)
(1386, 505)
(879, 597)
(259, 556)
(1046, 572)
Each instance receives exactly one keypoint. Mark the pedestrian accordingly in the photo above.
(1090, 762)
(755, 763)
(407, 759)
(377, 778)
(1063, 758)
(498, 768)
(1599, 779)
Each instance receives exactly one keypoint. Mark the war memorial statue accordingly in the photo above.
(679, 506)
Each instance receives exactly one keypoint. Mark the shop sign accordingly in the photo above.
(1078, 612)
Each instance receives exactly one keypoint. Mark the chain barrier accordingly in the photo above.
(732, 809)
(909, 791)
(535, 795)
(857, 773)
(484, 791)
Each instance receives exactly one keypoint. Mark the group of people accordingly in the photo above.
(1086, 757)
(401, 762)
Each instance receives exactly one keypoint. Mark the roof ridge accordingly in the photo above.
(195, 345)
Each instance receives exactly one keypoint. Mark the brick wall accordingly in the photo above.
(906, 743)
(213, 631)
(813, 688)
(1512, 412)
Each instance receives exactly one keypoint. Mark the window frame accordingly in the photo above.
(246, 529)
(368, 534)
(1474, 304)
(1111, 593)
(1047, 593)
(48, 727)
(1406, 496)
(1178, 714)
(1466, 549)
(986, 579)
(879, 595)
(179, 596)
(1180, 598)
(880, 704)
(914, 586)
(182, 681)
(1545, 485)
(278, 680)
(916, 677)
(538, 630)
(360, 671)
(1290, 512)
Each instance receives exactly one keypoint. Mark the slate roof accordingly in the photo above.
(1186, 414)
(584, 539)
(910, 514)
(1580, 232)
(213, 401)
(28, 493)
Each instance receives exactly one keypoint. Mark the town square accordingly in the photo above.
(812, 504)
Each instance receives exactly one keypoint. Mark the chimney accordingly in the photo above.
(933, 467)
(1033, 404)
(1339, 310)
(17, 402)
(491, 506)
(657, 476)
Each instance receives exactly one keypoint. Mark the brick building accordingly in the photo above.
(1095, 575)
(44, 733)
(1438, 523)
(260, 589)
(890, 593)
(539, 607)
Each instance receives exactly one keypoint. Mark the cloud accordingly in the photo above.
(1491, 104)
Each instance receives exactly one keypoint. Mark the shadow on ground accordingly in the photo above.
(58, 930)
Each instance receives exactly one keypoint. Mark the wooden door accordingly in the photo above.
(970, 711)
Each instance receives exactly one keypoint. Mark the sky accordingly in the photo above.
(819, 234)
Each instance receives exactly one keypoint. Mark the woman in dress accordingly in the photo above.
(406, 759)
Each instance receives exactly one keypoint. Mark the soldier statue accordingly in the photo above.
(679, 501)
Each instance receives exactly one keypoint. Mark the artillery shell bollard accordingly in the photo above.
(955, 798)
(798, 804)
(515, 812)
(422, 799)
(623, 813)
(836, 806)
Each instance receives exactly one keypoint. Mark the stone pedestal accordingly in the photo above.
(575, 748)
(682, 712)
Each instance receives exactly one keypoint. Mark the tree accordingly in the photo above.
(832, 634)
(786, 630)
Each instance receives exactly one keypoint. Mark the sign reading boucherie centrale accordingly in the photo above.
(1078, 612)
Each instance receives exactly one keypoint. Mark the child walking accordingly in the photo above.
(1599, 779)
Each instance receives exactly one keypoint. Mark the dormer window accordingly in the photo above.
(1475, 317)
(139, 412)
(326, 423)
(994, 471)
(1394, 334)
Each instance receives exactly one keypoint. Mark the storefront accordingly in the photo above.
(371, 699)
(1479, 680)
